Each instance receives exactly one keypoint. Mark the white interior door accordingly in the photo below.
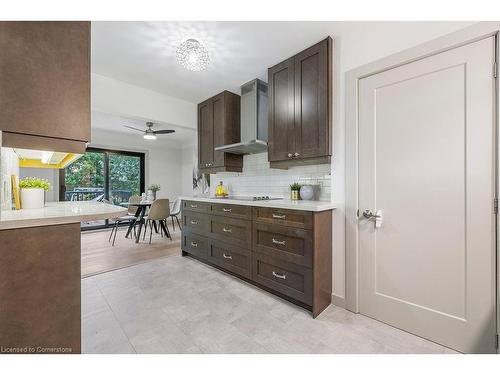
(426, 163)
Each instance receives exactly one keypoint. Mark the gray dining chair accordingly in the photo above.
(129, 217)
(159, 212)
(174, 212)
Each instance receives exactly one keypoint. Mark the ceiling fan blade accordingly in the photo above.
(163, 131)
(130, 127)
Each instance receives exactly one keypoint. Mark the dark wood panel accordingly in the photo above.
(203, 207)
(195, 244)
(218, 118)
(196, 222)
(289, 244)
(290, 218)
(40, 287)
(230, 257)
(33, 142)
(312, 124)
(234, 231)
(231, 210)
(287, 278)
(281, 142)
(205, 135)
(322, 262)
(45, 79)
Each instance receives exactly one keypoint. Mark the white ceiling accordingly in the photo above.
(111, 122)
(143, 53)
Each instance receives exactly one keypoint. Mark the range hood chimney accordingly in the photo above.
(253, 120)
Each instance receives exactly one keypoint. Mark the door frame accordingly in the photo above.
(459, 38)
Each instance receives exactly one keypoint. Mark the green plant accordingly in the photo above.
(154, 187)
(34, 182)
(295, 186)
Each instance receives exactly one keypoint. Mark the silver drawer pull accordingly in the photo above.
(194, 206)
(279, 276)
(227, 256)
(227, 230)
(275, 241)
(194, 244)
(279, 216)
(194, 222)
(226, 209)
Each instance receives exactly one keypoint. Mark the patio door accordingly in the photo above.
(103, 174)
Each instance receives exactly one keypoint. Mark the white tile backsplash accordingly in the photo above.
(258, 178)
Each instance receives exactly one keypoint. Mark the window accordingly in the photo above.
(103, 174)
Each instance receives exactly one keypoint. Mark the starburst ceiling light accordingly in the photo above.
(192, 55)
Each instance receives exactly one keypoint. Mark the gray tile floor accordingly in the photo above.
(179, 305)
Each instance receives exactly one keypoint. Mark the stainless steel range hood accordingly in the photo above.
(253, 120)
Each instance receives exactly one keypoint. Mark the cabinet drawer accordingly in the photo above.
(231, 210)
(195, 244)
(196, 222)
(287, 278)
(196, 206)
(290, 218)
(234, 231)
(230, 257)
(289, 244)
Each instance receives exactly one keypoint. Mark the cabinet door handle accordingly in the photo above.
(226, 209)
(227, 256)
(193, 222)
(194, 206)
(227, 230)
(289, 155)
(194, 244)
(279, 275)
(275, 216)
(296, 154)
(275, 241)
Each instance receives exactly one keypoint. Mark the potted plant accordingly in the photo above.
(295, 191)
(154, 188)
(33, 192)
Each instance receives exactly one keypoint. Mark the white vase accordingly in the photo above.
(306, 192)
(32, 198)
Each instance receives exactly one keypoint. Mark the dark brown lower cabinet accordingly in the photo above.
(40, 289)
(286, 252)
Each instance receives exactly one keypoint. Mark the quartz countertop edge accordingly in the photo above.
(315, 206)
(56, 213)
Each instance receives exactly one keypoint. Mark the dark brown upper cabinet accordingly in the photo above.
(45, 82)
(300, 101)
(219, 124)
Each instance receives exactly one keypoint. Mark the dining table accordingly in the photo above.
(139, 217)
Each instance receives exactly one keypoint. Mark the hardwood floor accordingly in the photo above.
(99, 256)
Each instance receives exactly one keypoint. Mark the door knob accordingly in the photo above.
(296, 154)
(290, 155)
(377, 216)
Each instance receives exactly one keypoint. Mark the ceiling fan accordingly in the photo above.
(149, 133)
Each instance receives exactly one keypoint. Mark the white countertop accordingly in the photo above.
(59, 213)
(315, 206)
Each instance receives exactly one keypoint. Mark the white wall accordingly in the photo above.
(356, 44)
(163, 159)
(119, 98)
(189, 162)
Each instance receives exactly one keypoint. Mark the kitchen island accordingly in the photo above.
(40, 275)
